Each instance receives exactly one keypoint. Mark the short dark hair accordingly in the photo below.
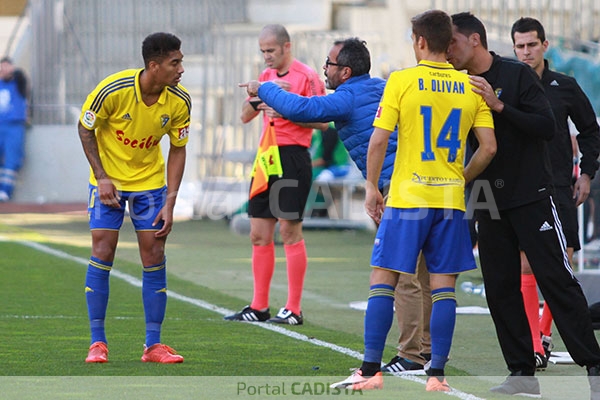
(157, 46)
(467, 24)
(435, 26)
(354, 54)
(6, 59)
(527, 24)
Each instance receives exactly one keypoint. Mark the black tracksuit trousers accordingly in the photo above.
(534, 228)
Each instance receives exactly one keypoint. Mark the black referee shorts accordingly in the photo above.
(286, 196)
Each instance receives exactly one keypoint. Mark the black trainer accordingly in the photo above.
(285, 316)
(249, 314)
(401, 365)
(547, 345)
(518, 385)
(541, 362)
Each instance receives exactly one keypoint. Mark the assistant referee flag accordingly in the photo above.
(267, 162)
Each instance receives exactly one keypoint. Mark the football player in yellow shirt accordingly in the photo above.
(434, 107)
(121, 126)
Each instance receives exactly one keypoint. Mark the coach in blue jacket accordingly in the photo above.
(352, 107)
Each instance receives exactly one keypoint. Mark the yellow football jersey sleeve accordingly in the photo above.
(129, 132)
(434, 108)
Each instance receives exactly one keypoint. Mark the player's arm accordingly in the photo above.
(107, 191)
(483, 155)
(175, 168)
(375, 156)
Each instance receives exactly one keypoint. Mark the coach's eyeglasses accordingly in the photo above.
(328, 63)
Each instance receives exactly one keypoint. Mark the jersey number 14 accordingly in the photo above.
(447, 137)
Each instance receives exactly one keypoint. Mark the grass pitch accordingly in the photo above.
(44, 330)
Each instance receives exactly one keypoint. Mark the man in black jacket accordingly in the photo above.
(515, 211)
(567, 101)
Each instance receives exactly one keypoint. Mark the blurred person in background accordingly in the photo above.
(14, 93)
(330, 161)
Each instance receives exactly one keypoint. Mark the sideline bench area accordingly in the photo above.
(344, 203)
(343, 199)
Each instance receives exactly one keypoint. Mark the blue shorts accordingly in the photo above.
(143, 209)
(442, 234)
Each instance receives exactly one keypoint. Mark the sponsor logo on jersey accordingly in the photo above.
(554, 83)
(545, 227)
(435, 180)
(184, 132)
(146, 143)
(126, 117)
(88, 119)
(163, 120)
(378, 114)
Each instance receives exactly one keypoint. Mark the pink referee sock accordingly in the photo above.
(532, 309)
(297, 262)
(263, 265)
(546, 321)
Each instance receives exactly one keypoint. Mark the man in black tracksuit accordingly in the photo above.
(516, 192)
(567, 101)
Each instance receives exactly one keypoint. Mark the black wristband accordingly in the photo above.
(255, 104)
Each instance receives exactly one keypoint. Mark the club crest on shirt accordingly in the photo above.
(498, 92)
(89, 117)
(163, 120)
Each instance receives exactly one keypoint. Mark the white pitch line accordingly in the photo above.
(224, 311)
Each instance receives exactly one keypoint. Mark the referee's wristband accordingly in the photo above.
(255, 104)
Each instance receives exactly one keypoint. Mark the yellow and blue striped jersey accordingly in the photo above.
(129, 132)
(434, 108)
